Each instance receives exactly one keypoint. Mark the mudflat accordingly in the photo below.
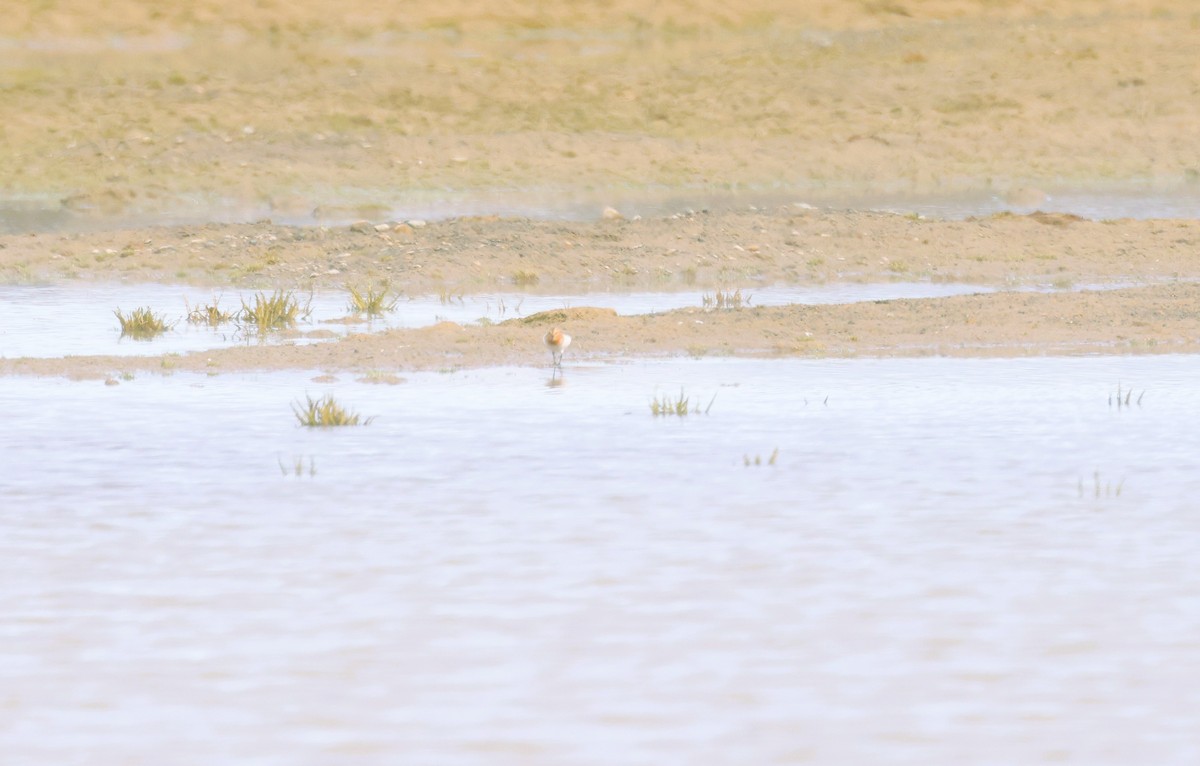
(324, 121)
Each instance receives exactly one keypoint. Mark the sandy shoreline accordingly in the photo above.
(1099, 287)
(338, 116)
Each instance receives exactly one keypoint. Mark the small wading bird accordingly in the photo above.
(557, 341)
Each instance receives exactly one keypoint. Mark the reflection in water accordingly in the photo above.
(498, 572)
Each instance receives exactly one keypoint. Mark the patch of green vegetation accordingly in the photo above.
(210, 314)
(348, 123)
(447, 296)
(326, 412)
(1125, 398)
(725, 299)
(501, 307)
(524, 278)
(371, 300)
(141, 324)
(276, 311)
(757, 460)
(974, 102)
(21, 274)
(381, 376)
(1105, 489)
(297, 468)
(681, 406)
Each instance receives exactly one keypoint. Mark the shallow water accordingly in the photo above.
(73, 320)
(952, 561)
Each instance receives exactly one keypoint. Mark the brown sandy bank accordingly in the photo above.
(1148, 267)
(286, 108)
(789, 243)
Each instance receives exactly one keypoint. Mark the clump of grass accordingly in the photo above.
(502, 307)
(681, 406)
(725, 299)
(210, 314)
(1125, 398)
(758, 458)
(525, 278)
(278, 310)
(446, 296)
(372, 301)
(326, 412)
(21, 274)
(297, 468)
(141, 324)
(381, 377)
(1105, 489)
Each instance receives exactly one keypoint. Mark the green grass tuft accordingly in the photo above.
(448, 296)
(758, 459)
(141, 324)
(210, 314)
(680, 406)
(326, 412)
(525, 278)
(276, 311)
(725, 299)
(297, 468)
(1105, 489)
(1125, 398)
(372, 301)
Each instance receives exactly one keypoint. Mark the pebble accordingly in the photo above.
(416, 223)
(611, 214)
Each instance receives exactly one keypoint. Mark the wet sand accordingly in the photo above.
(325, 116)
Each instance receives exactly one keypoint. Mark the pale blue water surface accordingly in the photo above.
(951, 561)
